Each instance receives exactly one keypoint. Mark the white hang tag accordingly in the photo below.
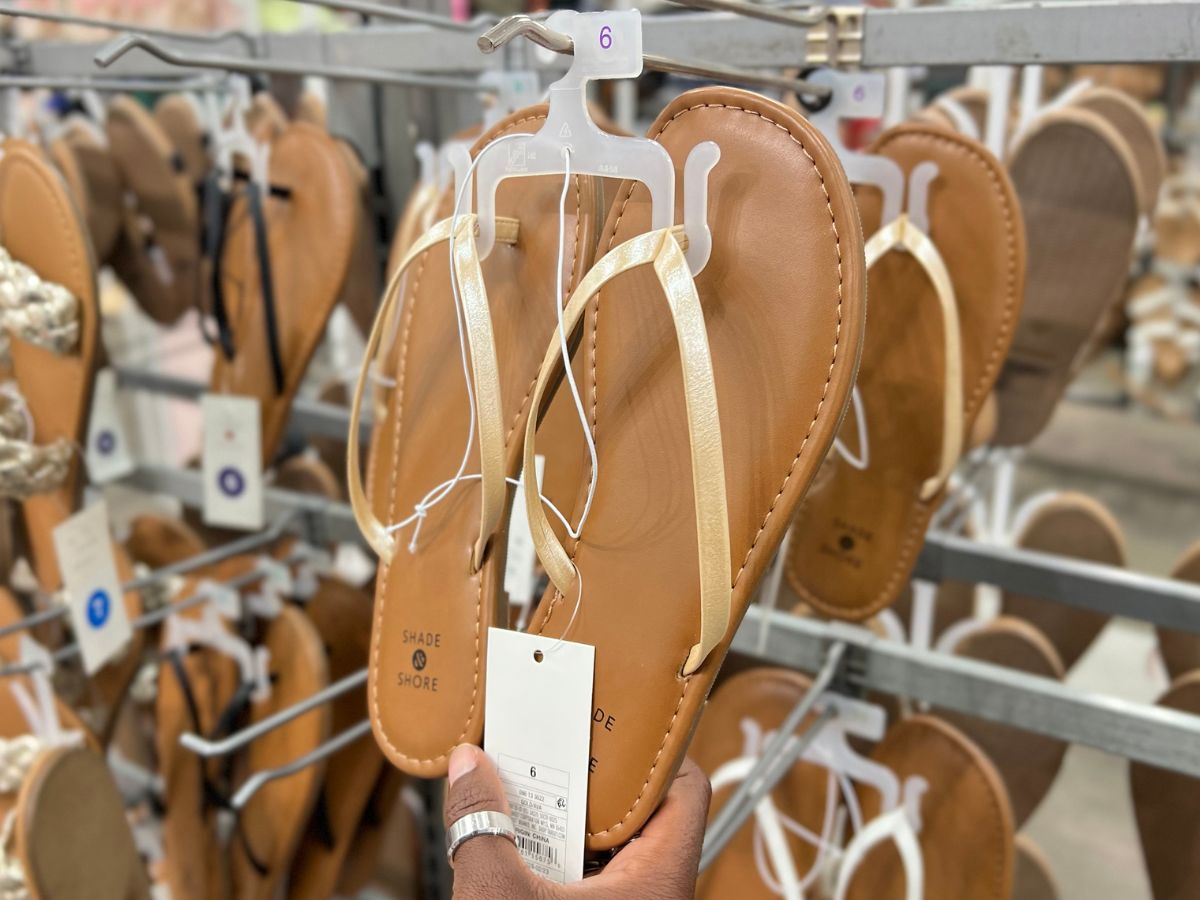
(94, 596)
(351, 564)
(519, 578)
(233, 491)
(277, 576)
(542, 748)
(108, 452)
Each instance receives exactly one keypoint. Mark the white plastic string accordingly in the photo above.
(863, 460)
(566, 356)
(439, 493)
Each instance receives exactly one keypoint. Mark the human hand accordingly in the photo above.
(660, 864)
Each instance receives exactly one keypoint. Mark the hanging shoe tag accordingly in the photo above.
(542, 749)
(94, 596)
(519, 577)
(233, 492)
(351, 564)
(224, 599)
(108, 451)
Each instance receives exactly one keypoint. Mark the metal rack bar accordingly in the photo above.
(1105, 589)
(308, 417)
(1149, 734)
(320, 521)
(1015, 34)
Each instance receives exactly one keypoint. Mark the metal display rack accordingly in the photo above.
(1014, 34)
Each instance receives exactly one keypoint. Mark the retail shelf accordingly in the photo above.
(1106, 589)
(308, 417)
(321, 521)
(1087, 31)
(1142, 732)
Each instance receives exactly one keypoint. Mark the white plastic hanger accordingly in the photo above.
(606, 45)
(41, 709)
(859, 95)
(210, 630)
(233, 137)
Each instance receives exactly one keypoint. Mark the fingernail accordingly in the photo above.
(462, 761)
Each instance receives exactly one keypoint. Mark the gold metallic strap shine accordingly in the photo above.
(704, 429)
(485, 378)
(902, 234)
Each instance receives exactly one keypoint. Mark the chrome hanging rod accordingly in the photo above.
(241, 545)
(107, 85)
(401, 14)
(112, 25)
(111, 52)
(504, 31)
(780, 16)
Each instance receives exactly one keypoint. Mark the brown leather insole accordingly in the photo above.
(966, 833)
(1076, 526)
(1028, 762)
(1180, 650)
(1165, 805)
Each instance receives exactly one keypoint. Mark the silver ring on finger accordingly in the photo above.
(477, 824)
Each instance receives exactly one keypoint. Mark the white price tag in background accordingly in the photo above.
(521, 557)
(94, 596)
(233, 492)
(108, 452)
(542, 748)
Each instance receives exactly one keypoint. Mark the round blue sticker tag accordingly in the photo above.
(98, 606)
(231, 481)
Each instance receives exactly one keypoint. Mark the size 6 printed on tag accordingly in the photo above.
(233, 494)
(94, 597)
(108, 453)
(541, 748)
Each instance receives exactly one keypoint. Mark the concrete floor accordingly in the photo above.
(1086, 825)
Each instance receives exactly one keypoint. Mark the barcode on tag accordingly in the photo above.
(542, 749)
(538, 851)
(538, 799)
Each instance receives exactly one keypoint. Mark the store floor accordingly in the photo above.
(1086, 825)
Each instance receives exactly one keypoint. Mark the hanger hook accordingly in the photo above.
(507, 29)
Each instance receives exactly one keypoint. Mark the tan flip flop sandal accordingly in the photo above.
(1033, 878)
(1076, 526)
(196, 690)
(1129, 118)
(70, 835)
(360, 293)
(179, 120)
(777, 348)
(271, 826)
(1029, 763)
(308, 475)
(1180, 650)
(163, 241)
(924, 377)
(342, 616)
(1080, 193)
(966, 832)
(382, 818)
(739, 715)
(40, 227)
(157, 541)
(419, 715)
(310, 234)
(1165, 804)
(81, 153)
